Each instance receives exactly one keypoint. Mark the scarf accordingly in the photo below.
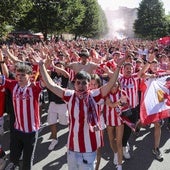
(92, 117)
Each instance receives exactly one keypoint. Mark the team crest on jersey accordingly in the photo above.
(129, 86)
(22, 96)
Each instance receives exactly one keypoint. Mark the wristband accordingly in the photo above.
(2, 62)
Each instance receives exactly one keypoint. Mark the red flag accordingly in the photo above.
(164, 40)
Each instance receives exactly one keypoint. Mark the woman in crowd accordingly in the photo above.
(116, 103)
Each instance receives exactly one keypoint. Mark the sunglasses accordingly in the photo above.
(81, 82)
(22, 75)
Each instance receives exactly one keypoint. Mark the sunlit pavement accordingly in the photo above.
(141, 150)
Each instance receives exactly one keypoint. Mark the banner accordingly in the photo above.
(164, 40)
(155, 101)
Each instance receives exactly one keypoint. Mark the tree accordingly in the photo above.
(102, 25)
(11, 12)
(150, 22)
(53, 16)
(168, 23)
(80, 17)
(94, 21)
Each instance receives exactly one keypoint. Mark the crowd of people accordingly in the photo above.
(92, 85)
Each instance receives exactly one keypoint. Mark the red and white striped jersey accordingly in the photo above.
(26, 105)
(71, 73)
(81, 138)
(111, 115)
(131, 86)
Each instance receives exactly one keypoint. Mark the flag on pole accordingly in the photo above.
(155, 101)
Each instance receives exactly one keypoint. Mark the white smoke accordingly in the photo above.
(116, 25)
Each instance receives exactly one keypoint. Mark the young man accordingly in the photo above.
(83, 64)
(84, 129)
(25, 97)
(129, 81)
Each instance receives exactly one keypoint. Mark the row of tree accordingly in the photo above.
(151, 22)
(79, 17)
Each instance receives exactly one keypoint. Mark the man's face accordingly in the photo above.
(81, 85)
(128, 70)
(22, 78)
(154, 67)
(167, 84)
(93, 84)
(84, 59)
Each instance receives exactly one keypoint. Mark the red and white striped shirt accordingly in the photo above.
(112, 117)
(131, 86)
(81, 138)
(26, 105)
(71, 73)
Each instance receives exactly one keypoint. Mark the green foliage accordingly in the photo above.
(11, 12)
(151, 22)
(53, 16)
(168, 23)
(80, 17)
(94, 21)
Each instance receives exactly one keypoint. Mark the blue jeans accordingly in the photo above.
(81, 161)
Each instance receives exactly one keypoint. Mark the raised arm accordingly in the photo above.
(47, 79)
(60, 71)
(10, 55)
(142, 72)
(4, 67)
(107, 87)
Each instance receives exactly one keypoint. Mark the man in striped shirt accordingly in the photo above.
(25, 98)
(84, 129)
(129, 82)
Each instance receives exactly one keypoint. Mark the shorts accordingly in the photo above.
(57, 113)
(81, 161)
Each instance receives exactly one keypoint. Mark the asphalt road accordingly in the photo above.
(140, 149)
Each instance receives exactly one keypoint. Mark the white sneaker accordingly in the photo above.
(115, 159)
(53, 144)
(126, 153)
(119, 167)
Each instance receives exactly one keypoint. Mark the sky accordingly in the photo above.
(114, 4)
